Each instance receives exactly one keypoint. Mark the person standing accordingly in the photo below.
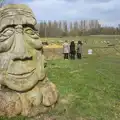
(79, 50)
(72, 50)
(66, 49)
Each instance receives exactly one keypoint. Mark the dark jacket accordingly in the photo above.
(72, 48)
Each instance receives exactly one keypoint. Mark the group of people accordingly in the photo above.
(71, 50)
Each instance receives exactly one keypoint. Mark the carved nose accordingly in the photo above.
(20, 50)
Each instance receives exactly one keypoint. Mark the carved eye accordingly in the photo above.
(7, 33)
(34, 34)
(30, 31)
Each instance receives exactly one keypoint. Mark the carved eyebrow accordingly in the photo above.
(29, 25)
(7, 26)
(13, 26)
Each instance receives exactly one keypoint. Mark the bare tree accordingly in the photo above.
(65, 28)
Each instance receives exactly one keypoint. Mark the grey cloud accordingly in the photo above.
(71, 0)
(97, 1)
(107, 10)
(90, 1)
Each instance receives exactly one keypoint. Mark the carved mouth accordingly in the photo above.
(22, 75)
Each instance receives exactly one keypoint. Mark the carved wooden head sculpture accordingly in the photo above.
(21, 59)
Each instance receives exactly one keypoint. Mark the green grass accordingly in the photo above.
(89, 88)
(90, 39)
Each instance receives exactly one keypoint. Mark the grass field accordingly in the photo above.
(89, 88)
(99, 45)
(89, 39)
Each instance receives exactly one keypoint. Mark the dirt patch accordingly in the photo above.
(53, 53)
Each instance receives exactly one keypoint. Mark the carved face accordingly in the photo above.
(21, 59)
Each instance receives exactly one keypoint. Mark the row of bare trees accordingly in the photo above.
(76, 28)
(65, 28)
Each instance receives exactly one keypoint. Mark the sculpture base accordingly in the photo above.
(38, 100)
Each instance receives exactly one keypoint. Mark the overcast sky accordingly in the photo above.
(106, 11)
